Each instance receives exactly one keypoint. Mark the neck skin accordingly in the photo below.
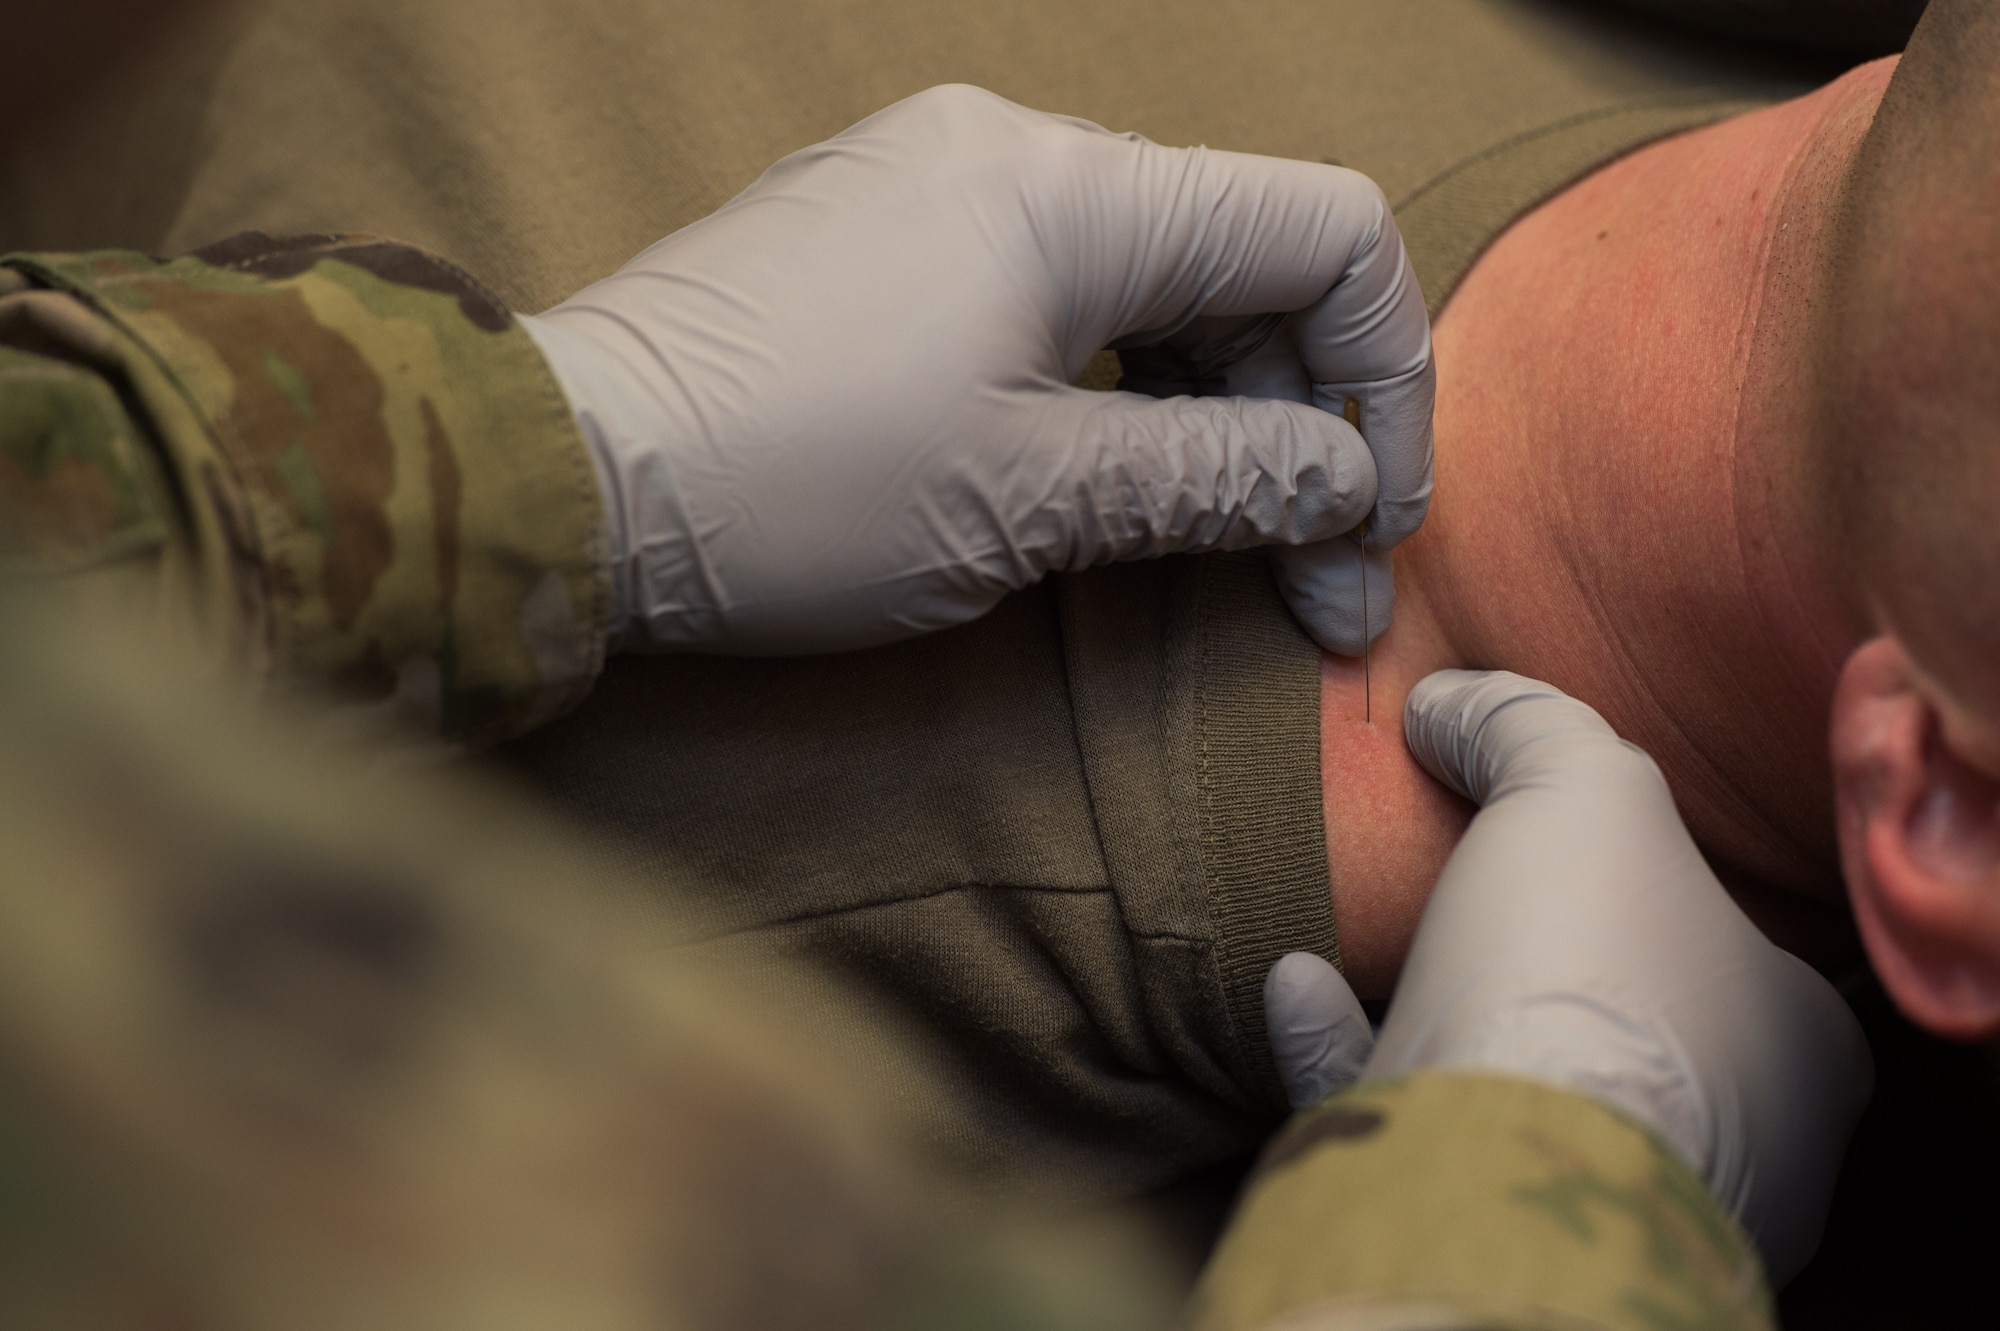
(1624, 509)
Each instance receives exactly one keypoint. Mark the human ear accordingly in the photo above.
(1919, 834)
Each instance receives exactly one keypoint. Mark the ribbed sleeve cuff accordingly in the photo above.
(1261, 812)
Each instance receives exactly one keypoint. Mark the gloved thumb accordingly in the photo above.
(1342, 606)
(1123, 476)
(1320, 1037)
(1482, 731)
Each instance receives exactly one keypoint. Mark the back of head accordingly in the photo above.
(1909, 381)
(1911, 359)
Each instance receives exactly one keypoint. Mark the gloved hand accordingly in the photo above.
(838, 411)
(1577, 937)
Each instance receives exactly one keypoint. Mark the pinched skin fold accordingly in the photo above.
(312, 454)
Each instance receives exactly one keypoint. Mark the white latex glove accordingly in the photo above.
(1320, 1037)
(1577, 937)
(838, 411)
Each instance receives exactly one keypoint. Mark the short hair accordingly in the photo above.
(1910, 357)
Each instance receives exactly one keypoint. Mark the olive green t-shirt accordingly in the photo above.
(1062, 844)
(1066, 842)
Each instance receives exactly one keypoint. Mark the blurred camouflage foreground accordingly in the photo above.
(288, 1038)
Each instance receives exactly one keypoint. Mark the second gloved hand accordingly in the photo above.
(839, 411)
(1577, 937)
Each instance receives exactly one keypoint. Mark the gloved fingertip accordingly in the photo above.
(1319, 1035)
(1301, 978)
(1453, 723)
(1437, 711)
(1323, 585)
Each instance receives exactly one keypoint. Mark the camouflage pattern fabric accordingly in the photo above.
(290, 1041)
(334, 459)
(1455, 1200)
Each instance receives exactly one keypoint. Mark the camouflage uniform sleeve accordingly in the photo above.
(334, 460)
(1455, 1200)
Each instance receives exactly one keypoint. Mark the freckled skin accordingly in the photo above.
(1622, 510)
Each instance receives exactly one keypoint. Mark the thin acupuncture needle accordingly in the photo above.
(1367, 683)
(1350, 411)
